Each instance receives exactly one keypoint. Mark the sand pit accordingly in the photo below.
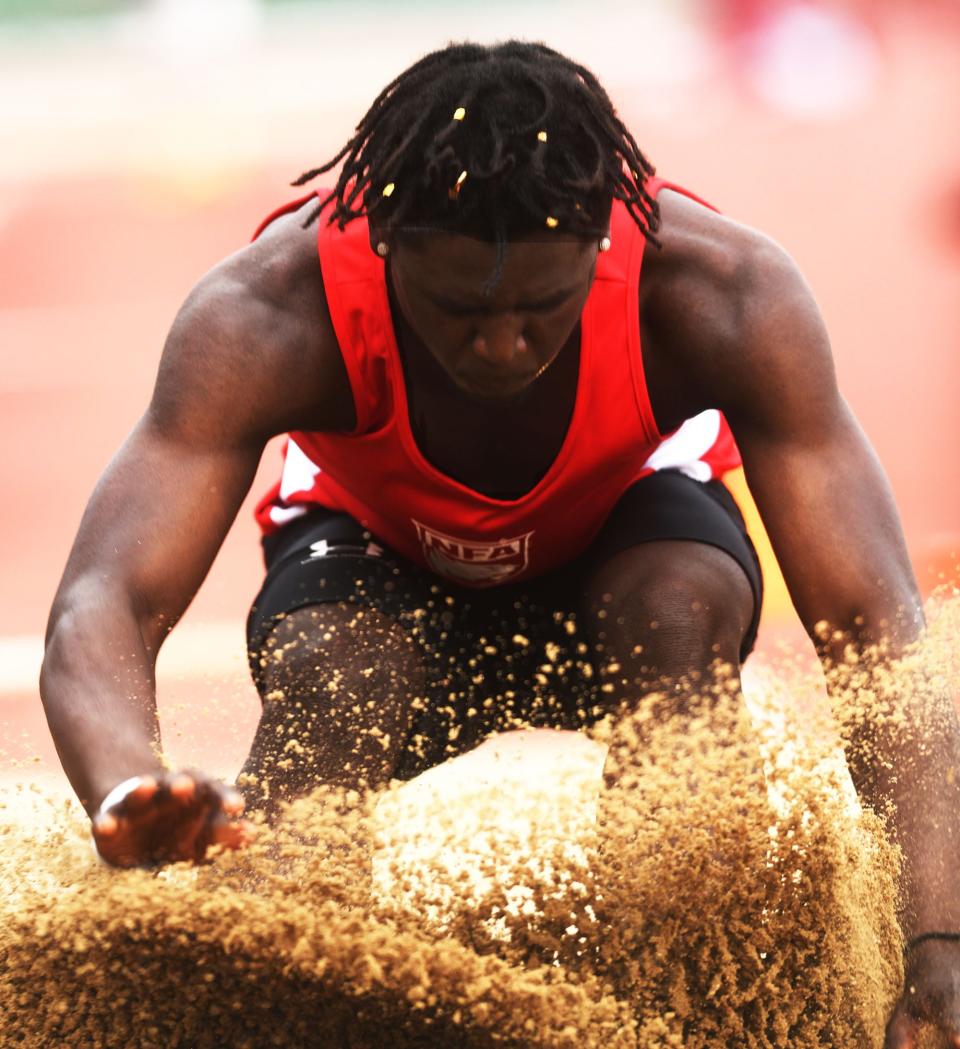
(700, 902)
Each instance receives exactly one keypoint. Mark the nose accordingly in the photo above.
(502, 344)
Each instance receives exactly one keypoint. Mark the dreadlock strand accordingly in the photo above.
(369, 122)
(387, 170)
(308, 176)
(406, 137)
(620, 138)
(533, 80)
(644, 219)
(402, 209)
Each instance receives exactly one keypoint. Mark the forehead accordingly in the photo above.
(463, 265)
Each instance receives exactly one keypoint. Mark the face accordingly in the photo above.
(492, 345)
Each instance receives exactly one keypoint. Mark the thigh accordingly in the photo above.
(323, 558)
(501, 659)
(493, 659)
(505, 657)
(339, 685)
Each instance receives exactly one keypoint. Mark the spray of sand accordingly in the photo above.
(722, 889)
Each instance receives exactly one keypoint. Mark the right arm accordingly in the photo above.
(150, 532)
(237, 368)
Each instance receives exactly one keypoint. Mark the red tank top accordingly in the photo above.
(378, 475)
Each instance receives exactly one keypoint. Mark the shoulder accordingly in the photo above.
(728, 307)
(255, 332)
(712, 276)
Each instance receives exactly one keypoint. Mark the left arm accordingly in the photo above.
(831, 518)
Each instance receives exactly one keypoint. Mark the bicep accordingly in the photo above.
(156, 519)
(822, 494)
(165, 502)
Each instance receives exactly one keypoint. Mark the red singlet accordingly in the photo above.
(378, 475)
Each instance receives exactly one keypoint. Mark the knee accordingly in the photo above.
(336, 650)
(669, 609)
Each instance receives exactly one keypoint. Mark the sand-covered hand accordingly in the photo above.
(169, 817)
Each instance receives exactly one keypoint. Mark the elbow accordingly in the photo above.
(87, 622)
(886, 632)
(61, 647)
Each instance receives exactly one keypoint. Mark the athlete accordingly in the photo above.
(511, 365)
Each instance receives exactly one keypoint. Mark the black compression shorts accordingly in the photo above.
(485, 649)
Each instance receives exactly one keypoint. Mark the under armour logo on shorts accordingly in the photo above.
(324, 548)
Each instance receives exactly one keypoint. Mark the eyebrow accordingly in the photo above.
(547, 300)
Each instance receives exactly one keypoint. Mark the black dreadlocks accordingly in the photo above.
(508, 140)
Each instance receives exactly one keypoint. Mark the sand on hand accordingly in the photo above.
(723, 888)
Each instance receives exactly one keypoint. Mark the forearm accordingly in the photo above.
(907, 768)
(97, 686)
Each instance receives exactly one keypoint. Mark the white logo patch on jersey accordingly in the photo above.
(470, 561)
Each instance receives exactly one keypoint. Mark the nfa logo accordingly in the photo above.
(471, 561)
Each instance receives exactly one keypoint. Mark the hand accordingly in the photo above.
(931, 996)
(169, 817)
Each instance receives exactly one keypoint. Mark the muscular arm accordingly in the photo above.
(821, 491)
(151, 531)
(830, 514)
(729, 323)
(237, 368)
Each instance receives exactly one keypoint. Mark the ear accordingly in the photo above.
(378, 237)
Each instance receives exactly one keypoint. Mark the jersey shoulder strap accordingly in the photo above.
(354, 285)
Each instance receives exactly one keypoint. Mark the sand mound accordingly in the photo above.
(723, 890)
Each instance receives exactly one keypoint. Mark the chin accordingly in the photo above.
(492, 396)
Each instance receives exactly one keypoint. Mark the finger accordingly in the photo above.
(901, 1030)
(118, 853)
(105, 825)
(185, 807)
(233, 802)
(206, 792)
(141, 795)
(194, 832)
(183, 788)
(233, 834)
(219, 798)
